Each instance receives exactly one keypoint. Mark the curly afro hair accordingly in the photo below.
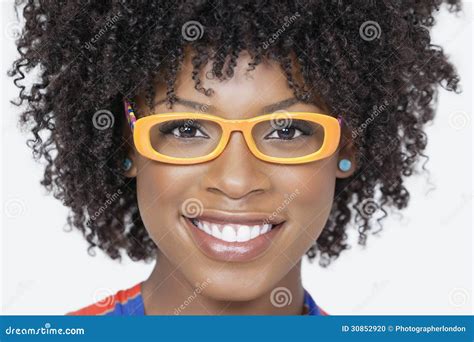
(371, 61)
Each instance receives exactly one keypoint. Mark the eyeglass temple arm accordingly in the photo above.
(131, 118)
(129, 114)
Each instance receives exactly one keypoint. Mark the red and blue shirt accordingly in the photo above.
(129, 302)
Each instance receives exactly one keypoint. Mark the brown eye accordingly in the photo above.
(286, 133)
(183, 129)
(291, 130)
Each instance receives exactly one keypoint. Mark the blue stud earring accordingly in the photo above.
(345, 165)
(126, 164)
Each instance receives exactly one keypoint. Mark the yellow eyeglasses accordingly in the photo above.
(191, 138)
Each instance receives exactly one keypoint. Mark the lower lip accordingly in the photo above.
(232, 251)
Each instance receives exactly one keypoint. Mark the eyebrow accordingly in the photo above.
(280, 105)
(199, 106)
(190, 104)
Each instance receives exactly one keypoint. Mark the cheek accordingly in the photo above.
(160, 189)
(313, 197)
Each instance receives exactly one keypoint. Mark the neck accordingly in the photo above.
(167, 292)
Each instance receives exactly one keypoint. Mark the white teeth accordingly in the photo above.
(216, 232)
(208, 229)
(243, 233)
(232, 232)
(255, 232)
(266, 228)
(212, 227)
(199, 224)
(228, 234)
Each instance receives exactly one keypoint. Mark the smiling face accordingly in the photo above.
(237, 222)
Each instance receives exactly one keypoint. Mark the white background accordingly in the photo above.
(421, 263)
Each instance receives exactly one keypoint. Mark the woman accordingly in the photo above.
(253, 134)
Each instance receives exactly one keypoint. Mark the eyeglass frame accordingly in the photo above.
(332, 128)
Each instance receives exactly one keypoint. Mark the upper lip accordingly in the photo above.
(243, 218)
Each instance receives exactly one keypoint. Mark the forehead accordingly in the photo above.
(266, 84)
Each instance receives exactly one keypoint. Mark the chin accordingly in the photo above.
(226, 285)
(231, 292)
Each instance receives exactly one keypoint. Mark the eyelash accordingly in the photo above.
(169, 126)
(304, 128)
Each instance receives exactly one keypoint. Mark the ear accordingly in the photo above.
(347, 150)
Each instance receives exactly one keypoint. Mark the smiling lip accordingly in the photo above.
(235, 251)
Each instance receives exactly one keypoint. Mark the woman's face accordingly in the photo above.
(235, 193)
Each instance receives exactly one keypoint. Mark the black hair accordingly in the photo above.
(372, 62)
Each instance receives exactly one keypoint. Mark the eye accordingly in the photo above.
(183, 129)
(187, 132)
(291, 130)
(286, 133)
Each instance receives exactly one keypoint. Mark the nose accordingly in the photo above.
(236, 172)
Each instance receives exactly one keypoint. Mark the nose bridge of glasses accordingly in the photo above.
(237, 125)
(231, 126)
